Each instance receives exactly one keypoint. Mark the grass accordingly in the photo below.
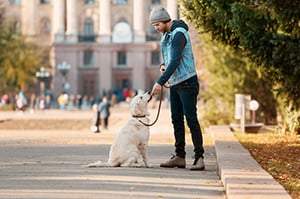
(278, 154)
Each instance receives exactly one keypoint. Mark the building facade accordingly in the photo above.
(94, 46)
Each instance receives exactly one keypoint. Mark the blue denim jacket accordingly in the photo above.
(182, 68)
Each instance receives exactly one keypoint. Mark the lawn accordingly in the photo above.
(278, 154)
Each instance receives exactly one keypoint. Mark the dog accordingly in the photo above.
(130, 147)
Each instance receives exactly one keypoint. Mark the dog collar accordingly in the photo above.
(138, 116)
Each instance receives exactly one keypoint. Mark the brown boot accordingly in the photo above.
(175, 161)
(198, 164)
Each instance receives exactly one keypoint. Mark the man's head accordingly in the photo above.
(159, 17)
(159, 14)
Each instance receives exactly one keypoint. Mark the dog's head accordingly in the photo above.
(138, 104)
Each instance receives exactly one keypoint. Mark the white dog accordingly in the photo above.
(130, 147)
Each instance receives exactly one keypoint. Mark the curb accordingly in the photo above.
(241, 175)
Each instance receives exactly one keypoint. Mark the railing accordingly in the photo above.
(87, 38)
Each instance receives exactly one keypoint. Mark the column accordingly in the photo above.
(105, 22)
(172, 8)
(72, 21)
(58, 20)
(105, 72)
(138, 68)
(138, 21)
(28, 18)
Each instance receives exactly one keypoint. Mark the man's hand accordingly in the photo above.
(156, 89)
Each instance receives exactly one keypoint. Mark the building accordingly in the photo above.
(94, 46)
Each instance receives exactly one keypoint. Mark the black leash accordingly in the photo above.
(158, 111)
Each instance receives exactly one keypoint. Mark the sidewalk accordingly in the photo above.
(48, 164)
(241, 175)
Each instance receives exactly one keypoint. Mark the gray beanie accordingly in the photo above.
(159, 14)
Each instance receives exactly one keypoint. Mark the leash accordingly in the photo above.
(158, 111)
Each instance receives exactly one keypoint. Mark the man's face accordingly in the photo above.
(160, 26)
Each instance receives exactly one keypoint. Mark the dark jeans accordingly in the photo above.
(105, 122)
(96, 119)
(183, 99)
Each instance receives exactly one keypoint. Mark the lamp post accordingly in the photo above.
(254, 105)
(42, 75)
(64, 68)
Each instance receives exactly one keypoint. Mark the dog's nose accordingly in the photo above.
(150, 98)
(149, 93)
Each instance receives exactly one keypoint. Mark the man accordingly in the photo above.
(179, 71)
(104, 111)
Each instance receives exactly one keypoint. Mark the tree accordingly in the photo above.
(227, 72)
(19, 60)
(267, 32)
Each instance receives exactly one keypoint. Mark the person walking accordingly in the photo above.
(178, 70)
(104, 111)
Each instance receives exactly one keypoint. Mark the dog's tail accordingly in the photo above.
(98, 164)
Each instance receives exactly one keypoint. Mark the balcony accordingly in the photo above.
(87, 38)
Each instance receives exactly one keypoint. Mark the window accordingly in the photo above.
(155, 58)
(122, 33)
(122, 59)
(45, 26)
(120, 2)
(88, 58)
(88, 87)
(89, 1)
(17, 27)
(14, 1)
(45, 1)
(155, 1)
(88, 27)
(87, 35)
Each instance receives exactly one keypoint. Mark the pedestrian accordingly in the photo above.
(32, 102)
(42, 102)
(21, 101)
(178, 70)
(95, 119)
(104, 111)
(4, 100)
(79, 101)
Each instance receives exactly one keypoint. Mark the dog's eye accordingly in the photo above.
(141, 97)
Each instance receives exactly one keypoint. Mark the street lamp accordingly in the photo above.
(254, 105)
(64, 68)
(42, 75)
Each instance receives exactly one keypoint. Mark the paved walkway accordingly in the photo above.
(48, 164)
